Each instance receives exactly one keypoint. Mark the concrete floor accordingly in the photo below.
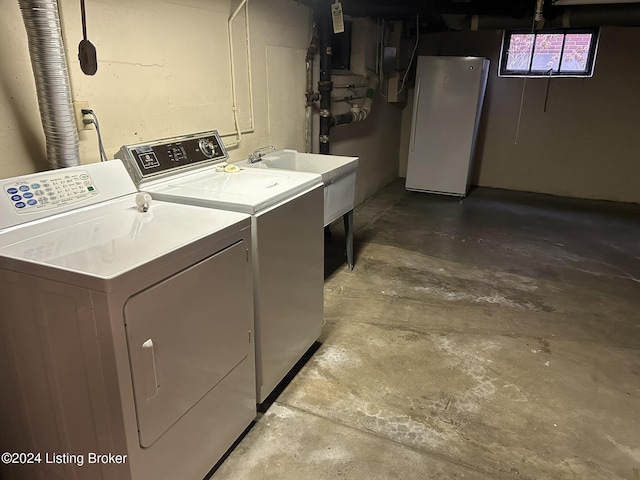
(492, 338)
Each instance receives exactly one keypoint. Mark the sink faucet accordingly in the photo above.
(257, 155)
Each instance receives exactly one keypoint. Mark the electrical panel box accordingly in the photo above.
(365, 37)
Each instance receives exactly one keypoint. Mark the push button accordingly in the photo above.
(12, 190)
(15, 198)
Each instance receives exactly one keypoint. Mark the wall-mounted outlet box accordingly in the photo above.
(78, 106)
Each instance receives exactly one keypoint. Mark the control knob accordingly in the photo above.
(207, 147)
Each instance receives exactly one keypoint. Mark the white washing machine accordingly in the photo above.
(287, 229)
(126, 335)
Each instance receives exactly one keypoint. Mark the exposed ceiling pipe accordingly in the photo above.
(46, 49)
(538, 14)
(325, 85)
(627, 15)
(310, 95)
(578, 16)
(388, 9)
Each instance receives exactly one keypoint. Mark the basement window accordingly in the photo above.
(566, 52)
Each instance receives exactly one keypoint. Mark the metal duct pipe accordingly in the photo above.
(46, 49)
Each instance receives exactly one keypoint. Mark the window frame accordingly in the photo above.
(590, 63)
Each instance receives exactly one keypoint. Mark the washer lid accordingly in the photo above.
(107, 240)
(248, 190)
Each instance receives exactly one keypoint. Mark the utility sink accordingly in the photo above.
(338, 175)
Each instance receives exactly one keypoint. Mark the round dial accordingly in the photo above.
(207, 147)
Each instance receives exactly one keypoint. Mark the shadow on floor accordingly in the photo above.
(335, 257)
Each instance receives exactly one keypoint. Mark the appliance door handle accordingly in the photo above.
(149, 365)
(414, 121)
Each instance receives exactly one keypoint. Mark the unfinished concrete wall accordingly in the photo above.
(163, 70)
(584, 144)
(375, 140)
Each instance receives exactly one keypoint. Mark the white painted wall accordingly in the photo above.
(375, 140)
(164, 70)
(585, 143)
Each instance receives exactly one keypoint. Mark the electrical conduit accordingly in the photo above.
(238, 131)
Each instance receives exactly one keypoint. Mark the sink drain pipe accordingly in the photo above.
(325, 85)
(311, 96)
(357, 113)
(46, 49)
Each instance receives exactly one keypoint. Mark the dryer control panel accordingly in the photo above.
(158, 158)
(49, 190)
(38, 195)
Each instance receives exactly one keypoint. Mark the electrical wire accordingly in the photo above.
(524, 88)
(94, 120)
(415, 47)
(406, 72)
(380, 71)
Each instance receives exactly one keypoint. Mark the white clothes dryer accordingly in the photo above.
(287, 215)
(126, 335)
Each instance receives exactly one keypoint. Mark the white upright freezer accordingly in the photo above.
(446, 111)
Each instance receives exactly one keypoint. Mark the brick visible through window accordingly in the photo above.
(566, 52)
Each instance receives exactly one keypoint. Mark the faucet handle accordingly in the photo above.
(261, 152)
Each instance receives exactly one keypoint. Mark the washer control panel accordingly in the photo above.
(160, 157)
(49, 190)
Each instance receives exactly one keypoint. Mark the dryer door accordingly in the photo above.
(185, 334)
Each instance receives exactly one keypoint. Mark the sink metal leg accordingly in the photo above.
(348, 235)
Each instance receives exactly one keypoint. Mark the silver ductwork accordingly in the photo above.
(46, 49)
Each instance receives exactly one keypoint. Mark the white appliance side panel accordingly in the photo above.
(50, 367)
(289, 278)
(185, 335)
(445, 108)
(481, 92)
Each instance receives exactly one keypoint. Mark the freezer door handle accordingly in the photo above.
(150, 374)
(415, 115)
